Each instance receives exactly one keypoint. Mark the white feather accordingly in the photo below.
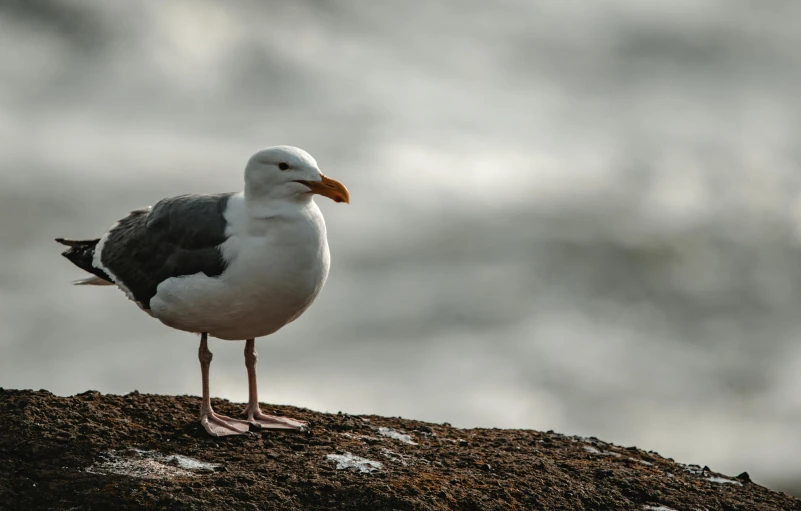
(276, 268)
(92, 281)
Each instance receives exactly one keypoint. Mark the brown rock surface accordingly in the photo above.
(94, 451)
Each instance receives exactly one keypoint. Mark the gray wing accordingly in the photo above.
(178, 236)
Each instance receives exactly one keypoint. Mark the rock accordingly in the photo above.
(86, 451)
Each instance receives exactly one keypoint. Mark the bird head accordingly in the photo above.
(288, 172)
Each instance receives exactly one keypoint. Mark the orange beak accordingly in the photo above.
(330, 188)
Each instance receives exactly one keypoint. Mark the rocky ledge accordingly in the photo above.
(138, 451)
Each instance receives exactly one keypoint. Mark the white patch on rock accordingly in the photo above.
(592, 450)
(349, 461)
(658, 508)
(698, 471)
(150, 465)
(187, 463)
(695, 470)
(723, 480)
(397, 435)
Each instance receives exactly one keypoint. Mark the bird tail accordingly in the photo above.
(92, 281)
(78, 243)
(81, 253)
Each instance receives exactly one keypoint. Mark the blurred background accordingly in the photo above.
(579, 216)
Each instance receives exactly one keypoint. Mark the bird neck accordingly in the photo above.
(266, 206)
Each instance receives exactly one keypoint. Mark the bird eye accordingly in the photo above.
(283, 166)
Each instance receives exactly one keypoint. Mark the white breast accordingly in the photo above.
(276, 268)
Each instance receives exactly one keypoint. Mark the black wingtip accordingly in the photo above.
(77, 243)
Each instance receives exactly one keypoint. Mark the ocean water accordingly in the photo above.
(579, 216)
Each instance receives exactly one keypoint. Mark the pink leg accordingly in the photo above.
(255, 416)
(216, 425)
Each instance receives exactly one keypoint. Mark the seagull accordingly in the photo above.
(234, 266)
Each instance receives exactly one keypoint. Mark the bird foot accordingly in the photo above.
(264, 421)
(220, 425)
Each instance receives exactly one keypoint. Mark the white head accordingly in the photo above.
(289, 173)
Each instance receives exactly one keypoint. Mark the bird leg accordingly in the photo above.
(215, 424)
(255, 416)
